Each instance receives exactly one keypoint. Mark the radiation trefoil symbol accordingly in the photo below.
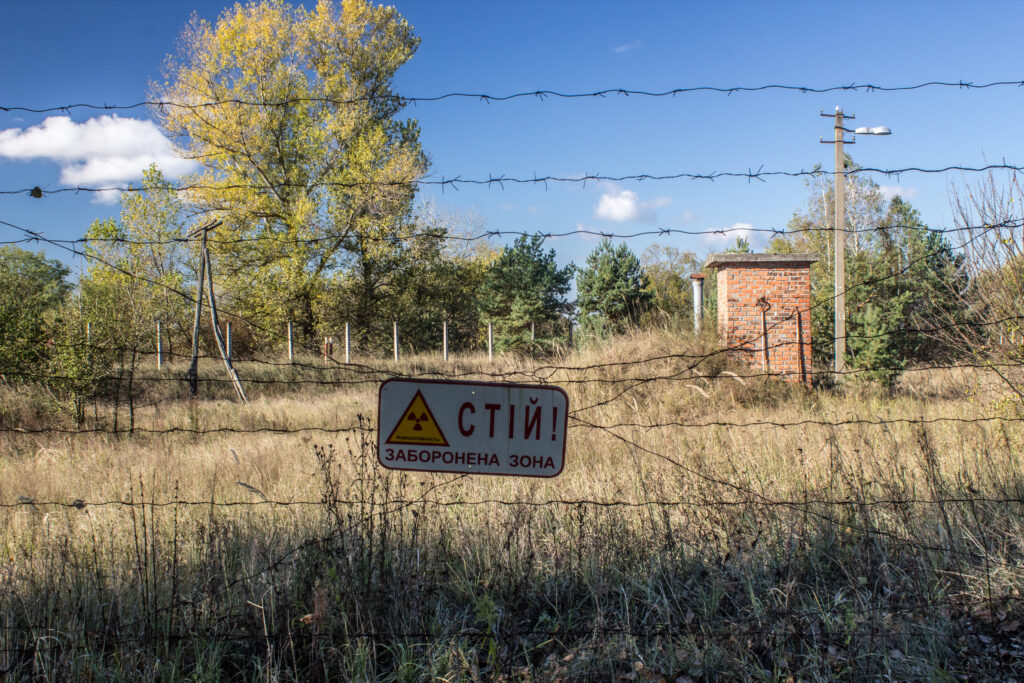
(417, 426)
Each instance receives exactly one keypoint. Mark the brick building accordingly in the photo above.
(767, 297)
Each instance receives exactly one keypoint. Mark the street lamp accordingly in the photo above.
(840, 228)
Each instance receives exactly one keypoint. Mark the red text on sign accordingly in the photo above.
(531, 426)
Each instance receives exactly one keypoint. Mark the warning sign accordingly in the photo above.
(472, 427)
(417, 426)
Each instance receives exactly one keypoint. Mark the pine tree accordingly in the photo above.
(613, 286)
(525, 287)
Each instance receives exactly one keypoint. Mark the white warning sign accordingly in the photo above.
(472, 427)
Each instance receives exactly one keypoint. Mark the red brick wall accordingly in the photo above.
(788, 291)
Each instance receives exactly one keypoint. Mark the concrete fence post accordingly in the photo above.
(490, 341)
(395, 335)
(347, 347)
(227, 340)
(159, 345)
(444, 340)
(291, 345)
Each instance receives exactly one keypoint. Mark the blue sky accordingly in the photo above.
(57, 53)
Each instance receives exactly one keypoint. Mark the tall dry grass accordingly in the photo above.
(707, 525)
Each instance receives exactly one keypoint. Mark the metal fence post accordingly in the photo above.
(328, 349)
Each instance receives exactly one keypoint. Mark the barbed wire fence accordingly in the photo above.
(851, 511)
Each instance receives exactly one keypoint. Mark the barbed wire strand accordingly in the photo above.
(539, 94)
(444, 235)
(500, 180)
(81, 504)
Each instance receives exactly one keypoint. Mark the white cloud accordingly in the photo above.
(727, 236)
(621, 205)
(103, 150)
(890, 191)
(626, 47)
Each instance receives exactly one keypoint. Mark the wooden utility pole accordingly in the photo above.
(204, 269)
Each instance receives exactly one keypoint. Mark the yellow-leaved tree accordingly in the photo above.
(291, 116)
(140, 270)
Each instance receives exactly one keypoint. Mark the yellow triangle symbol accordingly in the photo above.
(418, 426)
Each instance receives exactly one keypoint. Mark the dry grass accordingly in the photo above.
(758, 531)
